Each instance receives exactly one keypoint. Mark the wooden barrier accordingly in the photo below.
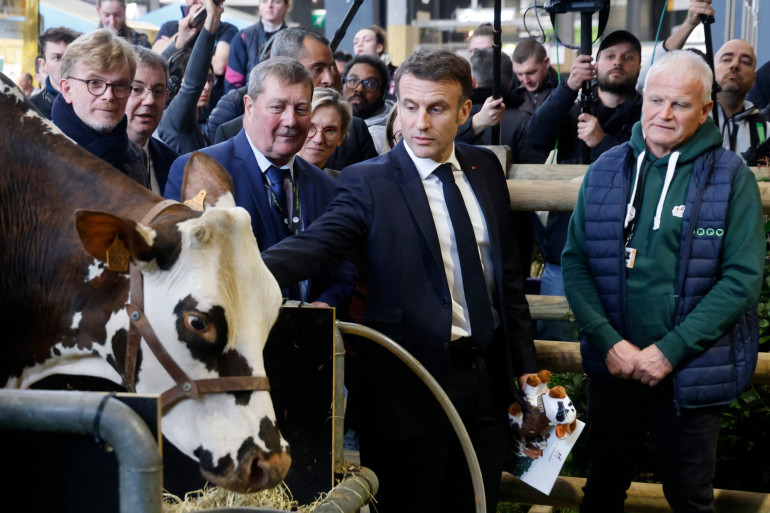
(565, 357)
(556, 189)
(642, 497)
(548, 308)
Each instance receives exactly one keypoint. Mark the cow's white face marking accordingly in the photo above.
(218, 269)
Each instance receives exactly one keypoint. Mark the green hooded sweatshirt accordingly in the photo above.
(651, 296)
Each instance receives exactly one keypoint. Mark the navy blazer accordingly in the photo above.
(162, 156)
(333, 284)
(381, 207)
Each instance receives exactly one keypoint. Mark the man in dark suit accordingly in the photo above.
(282, 193)
(431, 218)
(144, 110)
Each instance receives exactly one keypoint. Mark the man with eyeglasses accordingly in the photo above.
(97, 70)
(144, 111)
(364, 87)
(247, 44)
(282, 192)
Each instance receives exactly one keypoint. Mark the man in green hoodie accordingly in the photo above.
(662, 267)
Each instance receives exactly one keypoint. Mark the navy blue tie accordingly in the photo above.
(474, 284)
(276, 176)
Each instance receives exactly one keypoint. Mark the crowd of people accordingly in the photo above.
(370, 191)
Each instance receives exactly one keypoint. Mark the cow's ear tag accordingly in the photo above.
(118, 256)
(196, 203)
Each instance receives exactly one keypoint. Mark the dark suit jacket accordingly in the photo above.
(357, 146)
(332, 284)
(381, 208)
(162, 156)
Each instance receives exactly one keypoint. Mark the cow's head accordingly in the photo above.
(211, 301)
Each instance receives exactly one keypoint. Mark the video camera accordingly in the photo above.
(564, 6)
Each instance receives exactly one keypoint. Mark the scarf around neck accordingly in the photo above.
(111, 147)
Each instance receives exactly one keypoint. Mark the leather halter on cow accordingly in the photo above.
(197, 275)
(142, 329)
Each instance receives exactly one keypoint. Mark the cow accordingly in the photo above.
(76, 235)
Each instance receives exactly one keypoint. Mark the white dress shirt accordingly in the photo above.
(434, 191)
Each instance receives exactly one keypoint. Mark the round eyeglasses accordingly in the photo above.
(329, 133)
(139, 91)
(369, 84)
(97, 87)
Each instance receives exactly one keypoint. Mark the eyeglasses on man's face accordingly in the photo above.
(140, 91)
(353, 81)
(329, 133)
(97, 87)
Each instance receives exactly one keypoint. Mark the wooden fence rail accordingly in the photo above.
(555, 188)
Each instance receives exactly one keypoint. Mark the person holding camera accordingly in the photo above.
(584, 133)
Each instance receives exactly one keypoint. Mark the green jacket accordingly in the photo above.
(651, 281)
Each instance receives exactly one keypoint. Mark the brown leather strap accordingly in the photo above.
(215, 385)
(179, 376)
(134, 337)
(137, 299)
(157, 209)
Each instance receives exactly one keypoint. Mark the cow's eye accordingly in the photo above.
(199, 325)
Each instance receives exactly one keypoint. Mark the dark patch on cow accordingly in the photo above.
(167, 245)
(224, 466)
(234, 364)
(56, 351)
(213, 355)
(117, 359)
(268, 433)
(208, 352)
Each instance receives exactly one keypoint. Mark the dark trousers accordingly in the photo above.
(430, 473)
(619, 415)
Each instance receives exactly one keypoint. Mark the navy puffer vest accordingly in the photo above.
(722, 372)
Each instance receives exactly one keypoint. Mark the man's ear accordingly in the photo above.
(65, 88)
(464, 112)
(705, 111)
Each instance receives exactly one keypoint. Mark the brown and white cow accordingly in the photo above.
(207, 294)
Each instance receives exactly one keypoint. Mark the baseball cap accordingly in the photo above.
(620, 36)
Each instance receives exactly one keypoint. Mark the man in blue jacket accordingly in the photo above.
(662, 268)
(283, 193)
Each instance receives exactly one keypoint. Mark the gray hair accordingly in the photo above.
(289, 42)
(326, 97)
(284, 69)
(681, 64)
(481, 68)
(151, 59)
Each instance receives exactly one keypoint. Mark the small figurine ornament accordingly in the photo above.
(544, 407)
